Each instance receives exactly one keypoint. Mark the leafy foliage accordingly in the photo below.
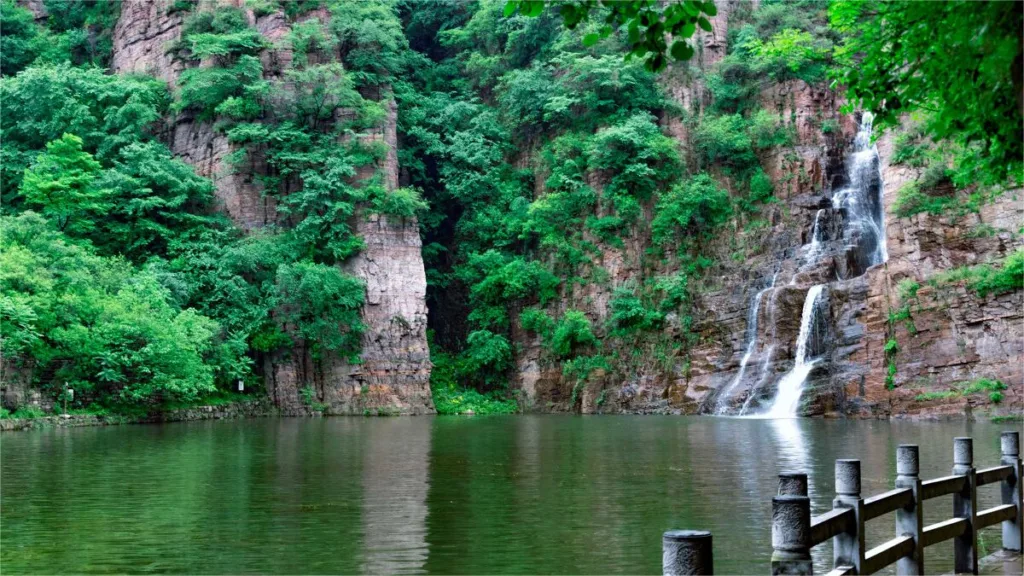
(899, 57)
(647, 24)
(113, 333)
(690, 210)
(985, 279)
(324, 304)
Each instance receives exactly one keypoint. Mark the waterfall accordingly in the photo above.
(791, 386)
(861, 199)
(760, 380)
(816, 236)
(859, 205)
(722, 406)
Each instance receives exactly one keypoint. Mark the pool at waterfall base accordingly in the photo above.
(448, 495)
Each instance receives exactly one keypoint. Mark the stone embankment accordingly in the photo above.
(251, 409)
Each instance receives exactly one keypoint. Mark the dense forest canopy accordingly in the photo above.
(119, 277)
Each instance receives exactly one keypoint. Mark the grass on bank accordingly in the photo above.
(994, 388)
(450, 397)
(985, 279)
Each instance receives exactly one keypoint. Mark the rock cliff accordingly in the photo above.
(393, 374)
(749, 311)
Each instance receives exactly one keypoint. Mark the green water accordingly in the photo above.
(524, 495)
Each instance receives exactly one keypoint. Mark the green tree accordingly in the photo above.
(18, 37)
(960, 61)
(648, 24)
(113, 332)
(324, 305)
(62, 182)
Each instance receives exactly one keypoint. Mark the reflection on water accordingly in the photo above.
(529, 494)
(395, 471)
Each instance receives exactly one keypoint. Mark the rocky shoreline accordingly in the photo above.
(264, 408)
(251, 409)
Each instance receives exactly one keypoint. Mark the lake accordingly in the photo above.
(446, 495)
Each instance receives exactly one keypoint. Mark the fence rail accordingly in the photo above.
(795, 532)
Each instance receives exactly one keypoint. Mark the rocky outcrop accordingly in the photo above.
(143, 37)
(393, 374)
(952, 335)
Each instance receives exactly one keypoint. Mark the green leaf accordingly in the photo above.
(681, 50)
(703, 22)
(688, 30)
(591, 39)
(709, 8)
(510, 8)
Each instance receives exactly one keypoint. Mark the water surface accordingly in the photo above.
(449, 495)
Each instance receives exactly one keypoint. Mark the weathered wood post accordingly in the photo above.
(686, 552)
(791, 531)
(910, 520)
(1012, 489)
(793, 483)
(965, 505)
(848, 548)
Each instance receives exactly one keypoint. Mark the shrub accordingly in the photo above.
(323, 304)
(767, 130)
(571, 333)
(994, 389)
(985, 279)
(308, 395)
(910, 200)
(487, 351)
(693, 208)
(724, 139)
(537, 321)
(761, 189)
(28, 412)
(113, 332)
(401, 202)
(907, 289)
(1007, 278)
(982, 385)
(629, 315)
(789, 54)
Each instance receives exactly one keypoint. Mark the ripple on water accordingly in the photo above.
(529, 494)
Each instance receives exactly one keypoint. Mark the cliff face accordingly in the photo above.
(749, 312)
(953, 335)
(393, 376)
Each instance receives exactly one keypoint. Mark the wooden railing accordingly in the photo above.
(795, 532)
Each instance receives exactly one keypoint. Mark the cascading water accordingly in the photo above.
(860, 205)
(816, 238)
(791, 386)
(861, 200)
(722, 406)
(760, 380)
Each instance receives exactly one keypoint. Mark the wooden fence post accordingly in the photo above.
(909, 520)
(965, 505)
(1012, 489)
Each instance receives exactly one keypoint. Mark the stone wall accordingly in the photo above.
(234, 410)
